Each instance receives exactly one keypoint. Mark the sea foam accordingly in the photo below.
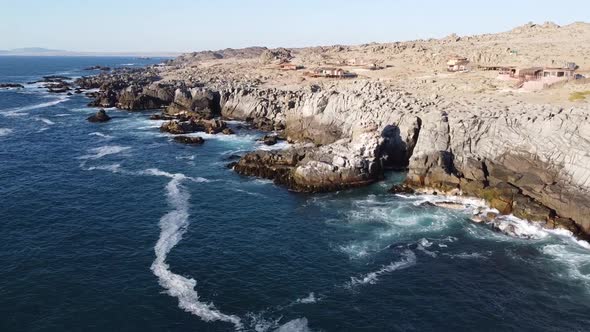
(5, 131)
(106, 150)
(173, 225)
(19, 111)
(408, 259)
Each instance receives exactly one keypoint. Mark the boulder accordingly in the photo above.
(269, 139)
(100, 116)
(11, 86)
(189, 140)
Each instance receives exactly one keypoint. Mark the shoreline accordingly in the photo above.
(523, 158)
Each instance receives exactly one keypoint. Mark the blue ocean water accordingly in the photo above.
(115, 227)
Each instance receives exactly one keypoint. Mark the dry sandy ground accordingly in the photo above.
(418, 66)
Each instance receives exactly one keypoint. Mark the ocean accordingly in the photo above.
(116, 227)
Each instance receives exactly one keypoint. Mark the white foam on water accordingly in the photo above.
(423, 243)
(99, 134)
(576, 261)
(282, 145)
(45, 121)
(191, 157)
(173, 225)
(226, 138)
(295, 325)
(249, 192)
(5, 131)
(157, 172)
(470, 255)
(569, 236)
(408, 259)
(115, 168)
(19, 111)
(357, 250)
(261, 324)
(311, 298)
(106, 150)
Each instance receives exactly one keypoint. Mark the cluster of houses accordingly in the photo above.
(328, 72)
(530, 78)
(332, 72)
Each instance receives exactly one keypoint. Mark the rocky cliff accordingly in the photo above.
(529, 160)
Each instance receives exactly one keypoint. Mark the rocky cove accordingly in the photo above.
(523, 159)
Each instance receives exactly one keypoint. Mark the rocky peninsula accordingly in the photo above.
(464, 133)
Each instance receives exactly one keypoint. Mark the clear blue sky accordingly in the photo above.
(183, 25)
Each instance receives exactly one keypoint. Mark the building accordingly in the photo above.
(457, 63)
(289, 66)
(529, 74)
(559, 73)
(538, 78)
(331, 72)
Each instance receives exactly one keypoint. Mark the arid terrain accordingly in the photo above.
(416, 66)
(395, 106)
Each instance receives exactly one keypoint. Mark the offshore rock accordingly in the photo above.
(344, 164)
(194, 140)
(184, 127)
(100, 116)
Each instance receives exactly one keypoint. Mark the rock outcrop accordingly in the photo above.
(528, 161)
(193, 140)
(11, 86)
(525, 159)
(195, 125)
(100, 116)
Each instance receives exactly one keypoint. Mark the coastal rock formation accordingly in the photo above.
(11, 86)
(468, 133)
(529, 162)
(343, 164)
(269, 139)
(100, 116)
(195, 102)
(194, 140)
(194, 125)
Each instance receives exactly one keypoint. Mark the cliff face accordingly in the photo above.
(529, 160)
(532, 161)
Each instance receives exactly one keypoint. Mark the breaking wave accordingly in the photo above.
(575, 260)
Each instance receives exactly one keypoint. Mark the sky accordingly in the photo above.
(183, 25)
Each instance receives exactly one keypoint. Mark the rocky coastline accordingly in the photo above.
(529, 160)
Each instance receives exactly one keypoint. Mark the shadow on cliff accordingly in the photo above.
(397, 151)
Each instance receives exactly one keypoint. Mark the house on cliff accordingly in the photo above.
(289, 66)
(457, 63)
(331, 72)
(538, 78)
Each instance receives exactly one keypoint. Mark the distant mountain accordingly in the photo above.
(40, 51)
(36, 50)
(32, 51)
